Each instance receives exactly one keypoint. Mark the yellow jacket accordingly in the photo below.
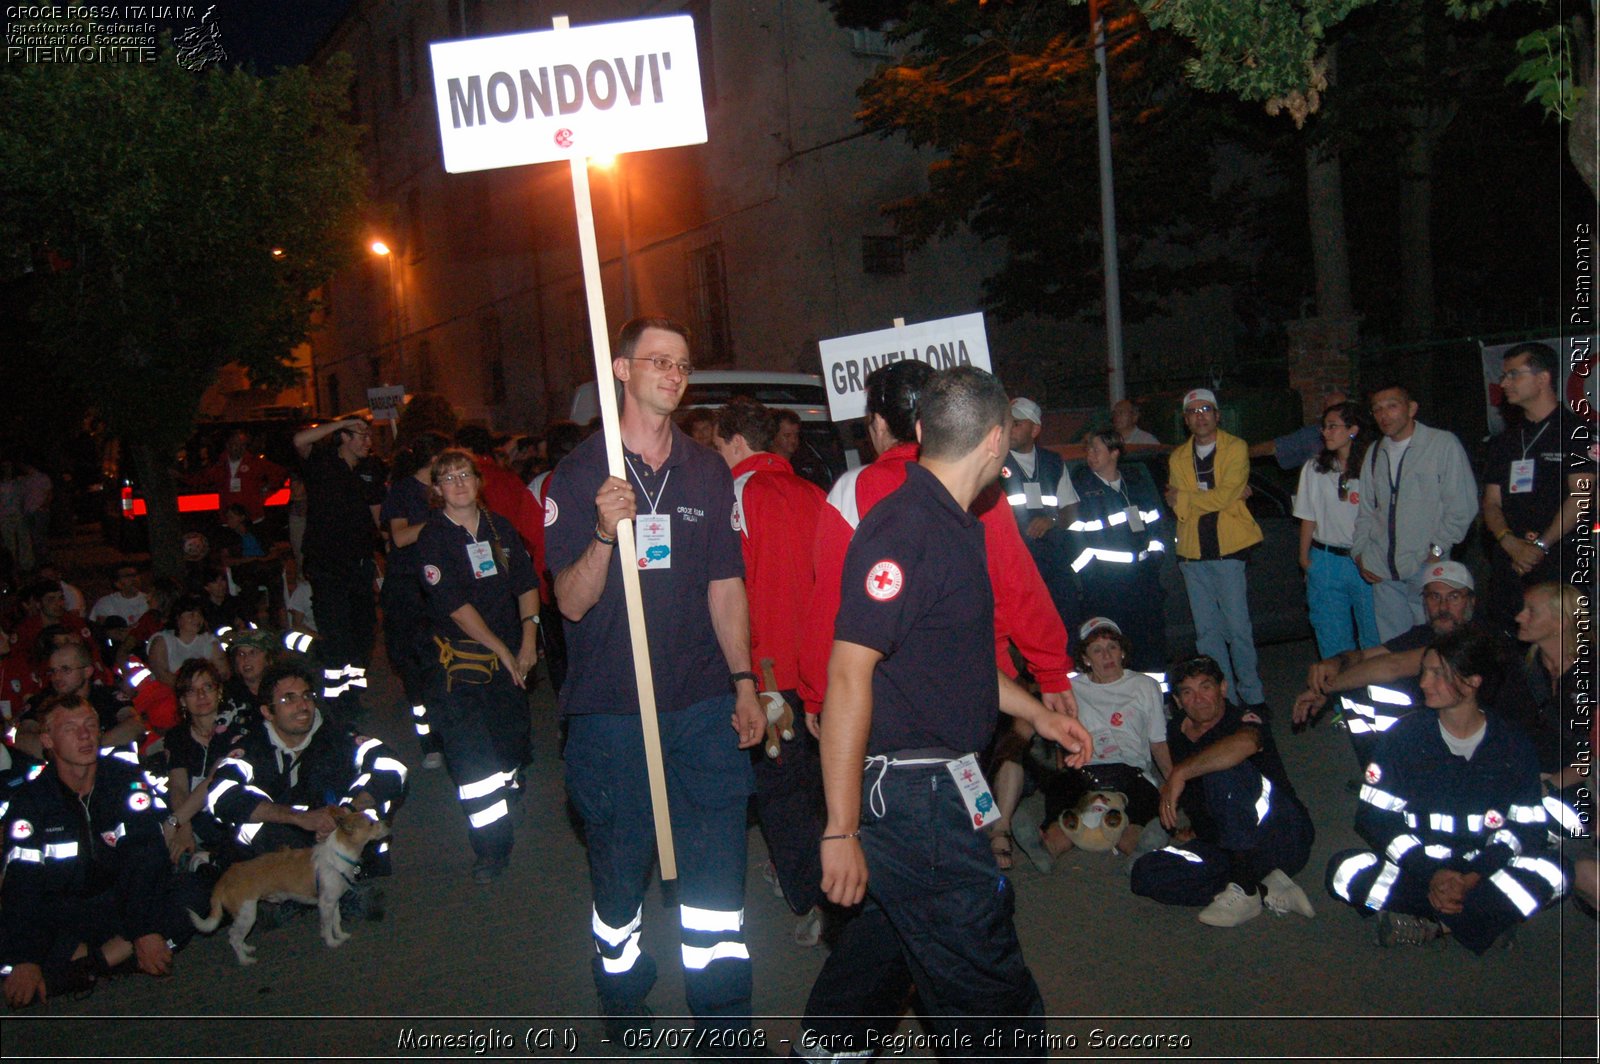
(1236, 529)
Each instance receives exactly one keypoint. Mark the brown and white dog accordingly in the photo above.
(318, 876)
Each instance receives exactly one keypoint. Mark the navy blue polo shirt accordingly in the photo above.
(1265, 761)
(916, 589)
(1558, 447)
(408, 500)
(695, 490)
(448, 579)
(340, 532)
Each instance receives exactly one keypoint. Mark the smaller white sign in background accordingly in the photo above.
(847, 360)
(1578, 384)
(385, 402)
(537, 97)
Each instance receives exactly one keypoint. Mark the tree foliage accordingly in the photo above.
(1003, 93)
(174, 222)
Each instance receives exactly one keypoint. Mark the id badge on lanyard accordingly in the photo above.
(652, 532)
(1521, 480)
(974, 790)
(481, 556)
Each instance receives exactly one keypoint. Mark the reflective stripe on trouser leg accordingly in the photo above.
(710, 935)
(618, 947)
(460, 719)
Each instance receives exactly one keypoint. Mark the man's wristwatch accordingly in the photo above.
(735, 677)
(1542, 545)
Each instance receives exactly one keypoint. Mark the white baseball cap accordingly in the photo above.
(1453, 573)
(1205, 395)
(1027, 410)
(1094, 624)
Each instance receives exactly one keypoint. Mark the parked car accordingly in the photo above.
(822, 448)
(1276, 586)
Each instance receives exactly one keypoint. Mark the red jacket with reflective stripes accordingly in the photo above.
(1023, 611)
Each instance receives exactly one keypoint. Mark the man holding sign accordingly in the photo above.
(680, 497)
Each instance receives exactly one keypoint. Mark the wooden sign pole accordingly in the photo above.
(631, 591)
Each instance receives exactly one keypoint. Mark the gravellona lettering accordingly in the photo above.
(561, 89)
(850, 376)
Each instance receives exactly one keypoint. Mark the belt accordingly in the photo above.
(1343, 552)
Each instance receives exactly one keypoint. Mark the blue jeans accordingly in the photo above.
(708, 781)
(938, 915)
(1221, 608)
(1336, 594)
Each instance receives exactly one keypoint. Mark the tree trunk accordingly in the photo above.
(1416, 188)
(161, 505)
(1330, 254)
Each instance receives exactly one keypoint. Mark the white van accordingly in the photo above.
(821, 446)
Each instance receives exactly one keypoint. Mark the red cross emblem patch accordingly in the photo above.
(110, 837)
(1374, 773)
(21, 829)
(431, 574)
(1493, 819)
(139, 801)
(885, 580)
(551, 512)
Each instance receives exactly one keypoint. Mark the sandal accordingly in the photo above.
(1000, 846)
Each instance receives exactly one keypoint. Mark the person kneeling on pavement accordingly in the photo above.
(1249, 833)
(1451, 808)
(88, 889)
(274, 789)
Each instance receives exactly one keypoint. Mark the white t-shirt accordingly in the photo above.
(1123, 718)
(1317, 500)
(204, 645)
(299, 601)
(114, 605)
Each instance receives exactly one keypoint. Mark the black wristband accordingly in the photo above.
(735, 677)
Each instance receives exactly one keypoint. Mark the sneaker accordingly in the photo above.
(1403, 929)
(1284, 896)
(769, 872)
(808, 932)
(434, 759)
(1231, 907)
(488, 869)
(1025, 834)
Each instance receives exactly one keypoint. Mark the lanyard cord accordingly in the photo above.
(639, 480)
(1527, 443)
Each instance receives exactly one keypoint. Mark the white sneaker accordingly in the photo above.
(433, 760)
(1284, 896)
(1231, 907)
(808, 932)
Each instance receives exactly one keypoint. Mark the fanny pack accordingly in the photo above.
(462, 664)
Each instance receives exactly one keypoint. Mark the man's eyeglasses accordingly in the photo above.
(1520, 371)
(57, 670)
(1203, 408)
(292, 698)
(664, 364)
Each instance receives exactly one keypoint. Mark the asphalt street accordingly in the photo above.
(504, 968)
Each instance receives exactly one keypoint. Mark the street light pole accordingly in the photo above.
(385, 252)
(1108, 212)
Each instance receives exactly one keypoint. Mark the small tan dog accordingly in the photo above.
(318, 875)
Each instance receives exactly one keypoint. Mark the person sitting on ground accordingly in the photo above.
(1552, 709)
(1452, 812)
(274, 788)
(1389, 671)
(163, 593)
(193, 753)
(186, 637)
(88, 889)
(1249, 832)
(249, 655)
(125, 600)
(45, 606)
(1122, 712)
(219, 609)
(70, 673)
